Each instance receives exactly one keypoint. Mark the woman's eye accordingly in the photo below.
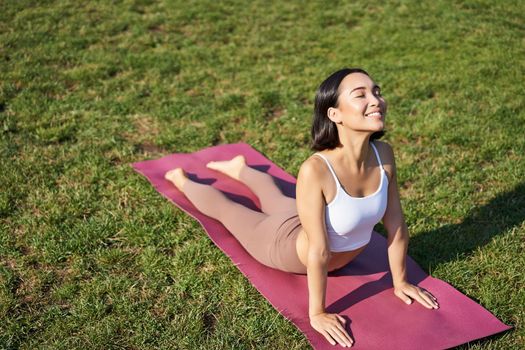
(360, 96)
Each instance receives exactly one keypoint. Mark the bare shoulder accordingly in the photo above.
(312, 170)
(386, 153)
(385, 150)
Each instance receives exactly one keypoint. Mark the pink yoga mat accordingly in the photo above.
(361, 292)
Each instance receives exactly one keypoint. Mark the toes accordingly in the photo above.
(169, 174)
(240, 158)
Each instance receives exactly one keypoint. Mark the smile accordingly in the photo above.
(374, 115)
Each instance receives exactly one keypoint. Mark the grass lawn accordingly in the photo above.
(92, 257)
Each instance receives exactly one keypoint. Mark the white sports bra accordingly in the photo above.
(350, 220)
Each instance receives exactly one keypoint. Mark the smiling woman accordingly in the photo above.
(355, 174)
(324, 130)
(343, 190)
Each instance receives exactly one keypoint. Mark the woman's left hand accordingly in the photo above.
(406, 292)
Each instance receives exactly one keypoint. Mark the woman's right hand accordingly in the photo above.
(332, 326)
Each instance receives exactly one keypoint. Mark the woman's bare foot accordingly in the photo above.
(177, 176)
(231, 167)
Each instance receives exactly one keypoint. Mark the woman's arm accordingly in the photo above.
(394, 223)
(310, 207)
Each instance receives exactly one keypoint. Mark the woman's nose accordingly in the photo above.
(374, 100)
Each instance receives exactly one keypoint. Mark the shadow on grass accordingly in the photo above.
(446, 243)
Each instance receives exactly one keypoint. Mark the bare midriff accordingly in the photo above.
(337, 259)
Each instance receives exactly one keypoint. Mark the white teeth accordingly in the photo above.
(375, 114)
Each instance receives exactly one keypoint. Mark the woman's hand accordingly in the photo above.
(332, 326)
(406, 292)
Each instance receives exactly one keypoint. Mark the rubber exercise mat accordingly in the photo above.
(361, 292)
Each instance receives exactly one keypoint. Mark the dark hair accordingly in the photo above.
(324, 131)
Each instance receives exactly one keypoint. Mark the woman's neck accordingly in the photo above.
(354, 151)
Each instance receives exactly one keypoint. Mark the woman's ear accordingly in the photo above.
(334, 115)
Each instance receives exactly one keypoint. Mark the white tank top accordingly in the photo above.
(350, 220)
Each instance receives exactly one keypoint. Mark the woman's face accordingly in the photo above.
(361, 106)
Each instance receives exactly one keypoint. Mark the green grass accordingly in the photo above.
(92, 257)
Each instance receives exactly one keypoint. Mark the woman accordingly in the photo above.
(342, 192)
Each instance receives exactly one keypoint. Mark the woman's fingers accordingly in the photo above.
(339, 336)
(430, 295)
(423, 298)
(332, 327)
(344, 335)
(419, 298)
(430, 300)
(403, 296)
(341, 325)
(420, 295)
(328, 337)
(339, 332)
(341, 318)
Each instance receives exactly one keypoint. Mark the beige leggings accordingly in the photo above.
(269, 236)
